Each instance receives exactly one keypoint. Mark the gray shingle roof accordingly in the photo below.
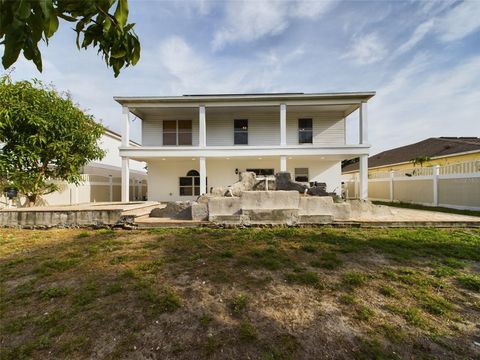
(432, 147)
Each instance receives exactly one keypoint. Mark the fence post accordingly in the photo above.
(391, 185)
(436, 173)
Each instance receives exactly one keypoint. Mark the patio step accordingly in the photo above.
(315, 219)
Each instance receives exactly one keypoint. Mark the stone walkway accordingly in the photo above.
(412, 215)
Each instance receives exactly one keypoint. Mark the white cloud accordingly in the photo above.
(248, 20)
(418, 35)
(420, 102)
(367, 49)
(310, 8)
(461, 21)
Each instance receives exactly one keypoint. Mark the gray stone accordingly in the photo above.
(271, 216)
(181, 210)
(270, 200)
(223, 206)
(200, 211)
(247, 182)
(315, 219)
(283, 181)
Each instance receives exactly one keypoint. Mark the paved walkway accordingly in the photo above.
(412, 215)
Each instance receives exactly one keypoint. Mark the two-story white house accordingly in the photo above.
(193, 143)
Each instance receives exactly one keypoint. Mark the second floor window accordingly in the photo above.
(305, 131)
(240, 132)
(177, 132)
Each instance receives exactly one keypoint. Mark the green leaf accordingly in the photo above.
(51, 26)
(13, 45)
(23, 9)
(121, 13)
(46, 6)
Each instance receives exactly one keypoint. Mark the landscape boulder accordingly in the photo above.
(283, 181)
(181, 210)
(247, 182)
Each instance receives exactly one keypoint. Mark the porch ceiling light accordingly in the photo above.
(259, 158)
(163, 158)
(193, 158)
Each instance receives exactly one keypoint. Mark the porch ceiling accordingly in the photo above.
(252, 158)
(145, 112)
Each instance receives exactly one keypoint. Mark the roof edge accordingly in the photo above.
(364, 95)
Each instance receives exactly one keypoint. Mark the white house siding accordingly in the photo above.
(263, 127)
(163, 175)
(328, 127)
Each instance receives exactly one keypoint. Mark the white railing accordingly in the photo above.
(453, 185)
(466, 167)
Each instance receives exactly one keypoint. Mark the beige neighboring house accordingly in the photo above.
(193, 143)
(441, 151)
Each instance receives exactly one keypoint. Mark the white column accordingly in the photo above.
(139, 190)
(134, 185)
(125, 126)
(283, 163)
(391, 185)
(363, 177)
(202, 127)
(203, 176)
(363, 123)
(110, 185)
(436, 173)
(125, 180)
(283, 125)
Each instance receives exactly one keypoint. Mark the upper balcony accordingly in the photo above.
(244, 123)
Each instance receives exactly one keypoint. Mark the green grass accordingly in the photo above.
(429, 208)
(247, 332)
(303, 278)
(387, 291)
(239, 293)
(239, 304)
(470, 282)
(328, 260)
(354, 278)
(55, 292)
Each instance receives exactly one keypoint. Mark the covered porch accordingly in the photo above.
(185, 178)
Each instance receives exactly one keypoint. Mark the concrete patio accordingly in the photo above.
(136, 214)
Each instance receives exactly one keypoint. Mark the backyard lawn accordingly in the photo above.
(285, 293)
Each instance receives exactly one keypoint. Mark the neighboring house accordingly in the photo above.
(441, 151)
(102, 179)
(193, 143)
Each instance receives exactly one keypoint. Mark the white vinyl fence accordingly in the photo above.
(93, 188)
(454, 185)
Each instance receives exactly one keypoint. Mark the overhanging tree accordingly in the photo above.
(24, 23)
(45, 137)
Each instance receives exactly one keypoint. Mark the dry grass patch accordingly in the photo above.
(282, 293)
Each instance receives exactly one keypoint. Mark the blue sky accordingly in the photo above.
(422, 58)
